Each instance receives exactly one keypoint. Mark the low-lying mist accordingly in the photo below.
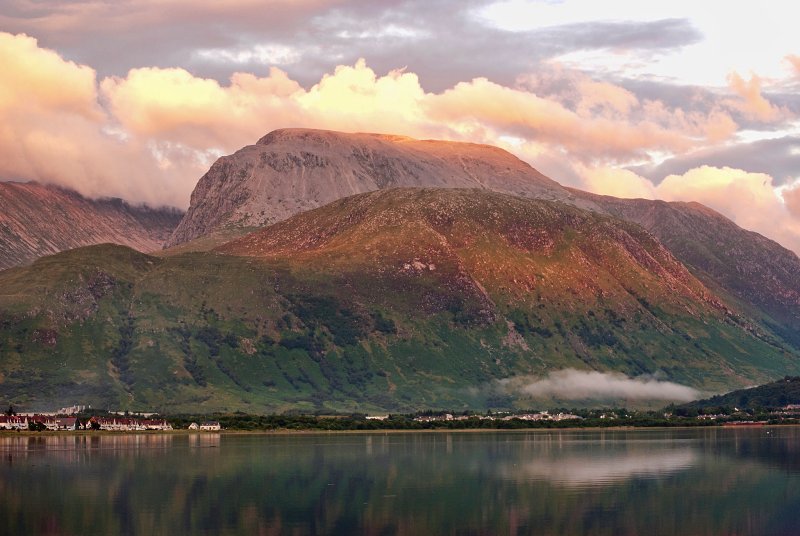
(571, 384)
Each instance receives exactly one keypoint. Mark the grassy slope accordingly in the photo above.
(343, 311)
(775, 394)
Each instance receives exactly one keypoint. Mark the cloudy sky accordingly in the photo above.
(674, 100)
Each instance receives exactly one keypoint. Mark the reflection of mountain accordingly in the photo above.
(398, 484)
(601, 468)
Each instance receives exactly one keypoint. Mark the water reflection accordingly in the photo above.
(662, 482)
(602, 469)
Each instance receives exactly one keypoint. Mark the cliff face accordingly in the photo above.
(38, 220)
(293, 170)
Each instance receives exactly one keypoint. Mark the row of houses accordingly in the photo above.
(49, 422)
(126, 424)
(23, 422)
(541, 416)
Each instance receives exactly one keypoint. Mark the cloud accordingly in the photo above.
(791, 197)
(778, 157)
(53, 129)
(609, 126)
(597, 119)
(34, 77)
(444, 42)
(794, 61)
(175, 106)
(571, 384)
(751, 102)
(616, 182)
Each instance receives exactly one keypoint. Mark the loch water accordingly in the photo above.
(710, 481)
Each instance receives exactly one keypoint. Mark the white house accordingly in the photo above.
(210, 426)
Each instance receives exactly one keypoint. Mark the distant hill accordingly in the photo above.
(392, 300)
(38, 220)
(776, 394)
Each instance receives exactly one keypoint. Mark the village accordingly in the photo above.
(66, 419)
(539, 416)
(36, 422)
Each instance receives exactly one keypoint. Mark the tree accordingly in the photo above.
(36, 426)
(10, 411)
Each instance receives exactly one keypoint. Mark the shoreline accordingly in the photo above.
(311, 431)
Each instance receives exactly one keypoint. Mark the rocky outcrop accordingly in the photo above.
(38, 220)
(293, 170)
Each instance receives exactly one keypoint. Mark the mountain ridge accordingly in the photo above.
(750, 267)
(39, 219)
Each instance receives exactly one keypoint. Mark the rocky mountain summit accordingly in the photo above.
(38, 220)
(293, 170)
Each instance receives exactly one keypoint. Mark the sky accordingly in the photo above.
(681, 101)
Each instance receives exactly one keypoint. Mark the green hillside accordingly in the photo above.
(393, 300)
(772, 395)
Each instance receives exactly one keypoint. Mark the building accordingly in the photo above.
(13, 422)
(210, 426)
(193, 426)
(125, 424)
(72, 410)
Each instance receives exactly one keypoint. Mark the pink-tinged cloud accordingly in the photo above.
(794, 61)
(483, 103)
(616, 182)
(791, 197)
(35, 77)
(54, 130)
(751, 101)
(173, 106)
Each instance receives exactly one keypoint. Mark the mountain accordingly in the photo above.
(756, 272)
(392, 300)
(293, 170)
(38, 220)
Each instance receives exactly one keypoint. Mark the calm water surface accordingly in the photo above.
(648, 482)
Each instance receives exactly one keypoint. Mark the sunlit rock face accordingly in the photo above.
(293, 170)
(38, 220)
